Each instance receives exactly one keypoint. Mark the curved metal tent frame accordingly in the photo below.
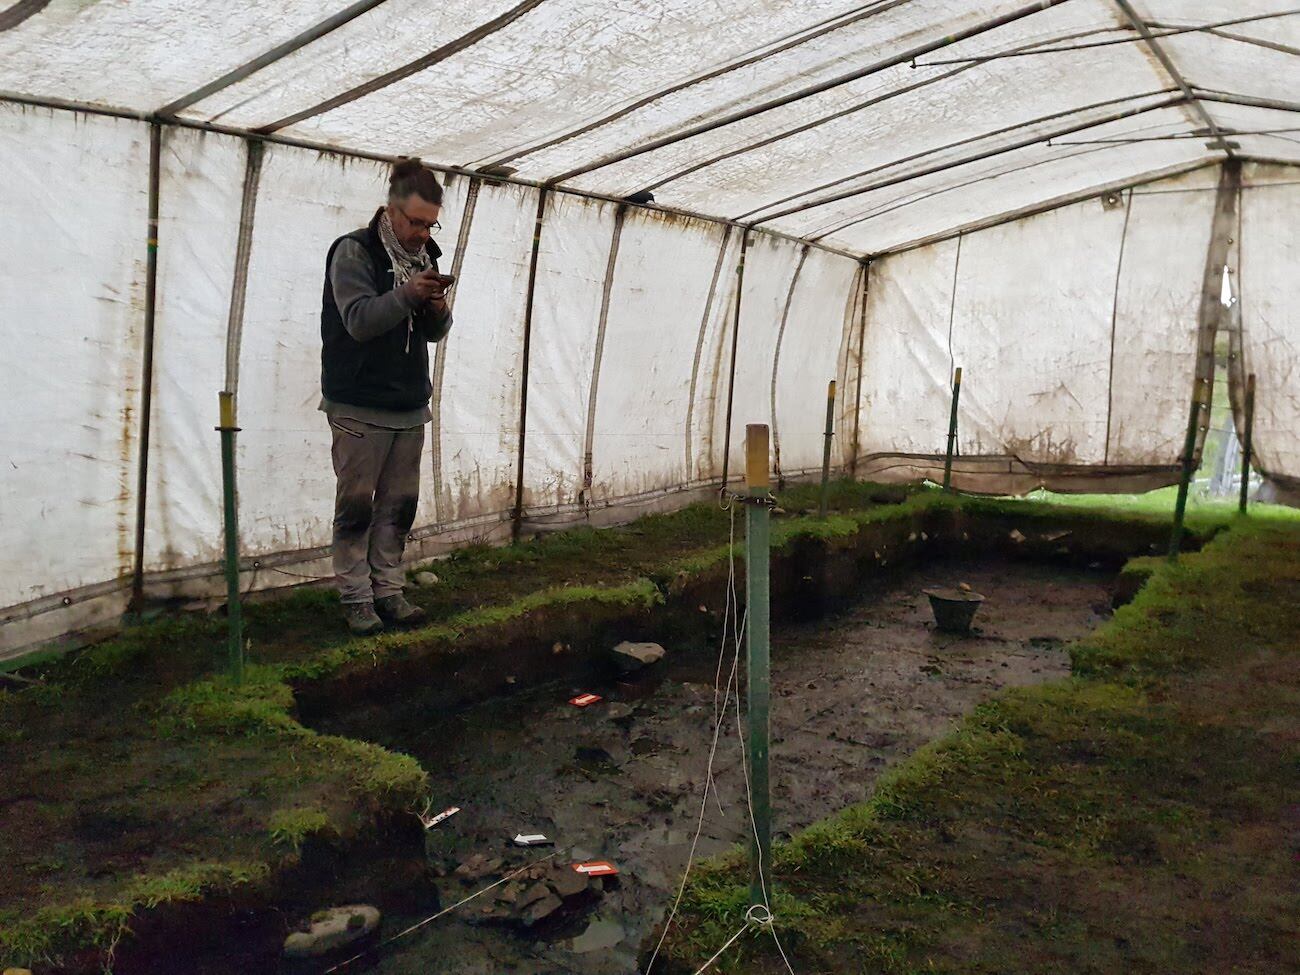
(828, 134)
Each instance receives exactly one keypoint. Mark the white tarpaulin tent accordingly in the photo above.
(1044, 193)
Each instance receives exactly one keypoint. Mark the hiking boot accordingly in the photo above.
(362, 619)
(395, 609)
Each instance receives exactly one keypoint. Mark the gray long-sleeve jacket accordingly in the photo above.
(367, 315)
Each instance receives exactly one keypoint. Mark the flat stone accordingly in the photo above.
(618, 711)
(542, 909)
(478, 866)
(601, 935)
(567, 882)
(509, 894)
(426, 579)
(536, 892)
(637, 655)
(331, 930)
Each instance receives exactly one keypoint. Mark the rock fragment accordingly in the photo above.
(634, 656)
(331, 930)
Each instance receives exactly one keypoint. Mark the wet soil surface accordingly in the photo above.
(622, 779)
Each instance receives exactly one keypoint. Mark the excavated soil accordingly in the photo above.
(622, 780)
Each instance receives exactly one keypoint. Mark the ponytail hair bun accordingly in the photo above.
(409, 176)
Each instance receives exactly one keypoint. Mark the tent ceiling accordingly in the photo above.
(867, 125)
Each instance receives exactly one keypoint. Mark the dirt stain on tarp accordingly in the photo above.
(622, 780)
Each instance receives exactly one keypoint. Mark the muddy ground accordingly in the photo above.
(622, 780)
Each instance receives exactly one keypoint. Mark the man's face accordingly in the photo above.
(413, 218)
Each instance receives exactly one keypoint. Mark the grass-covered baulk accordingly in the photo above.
(133, 780)
(1138, 817)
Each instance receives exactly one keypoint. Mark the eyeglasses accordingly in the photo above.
(430, 228)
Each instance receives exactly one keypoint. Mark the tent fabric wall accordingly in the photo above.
(198, 222)
(483, 384)
(703, 450)
(770, 265)
(660, 288)
(963, 151)
(72, 255)
(848, 375)
(1153, 353)
(571, 271)
(808, 358)
(1270, 322)
(1111, 391)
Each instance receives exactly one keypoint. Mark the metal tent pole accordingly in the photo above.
(857, 386)
(731, 377)
(146, 369)
(518, 520)
(1246, 442)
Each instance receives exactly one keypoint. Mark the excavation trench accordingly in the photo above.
(860, 681)
(622, 779)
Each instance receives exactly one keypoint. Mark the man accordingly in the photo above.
(383, 302)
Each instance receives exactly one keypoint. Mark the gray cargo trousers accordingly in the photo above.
(377, 492)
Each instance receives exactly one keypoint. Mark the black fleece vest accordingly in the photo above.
(380, 373)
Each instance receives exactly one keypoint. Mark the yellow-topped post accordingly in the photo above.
(234, 615)
(826, 446)
(758, 505)
(952, 430)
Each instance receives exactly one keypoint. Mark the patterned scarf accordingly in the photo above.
(405, 264)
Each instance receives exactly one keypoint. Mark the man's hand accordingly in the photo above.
(425, 286)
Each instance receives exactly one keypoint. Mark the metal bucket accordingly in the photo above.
(953, 608)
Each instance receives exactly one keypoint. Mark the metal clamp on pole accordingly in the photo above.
(757, 636)
(826, 447)
(234, 614)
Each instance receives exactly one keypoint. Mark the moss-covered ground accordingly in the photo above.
(1139, 817)
(134, 773)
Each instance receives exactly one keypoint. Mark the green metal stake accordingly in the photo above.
(826, 449)
(952, 430)
(1246, 443)
(1200, 398)
(758, 503)
(234, 614)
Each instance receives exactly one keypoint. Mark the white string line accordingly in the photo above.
(720, 714)
(779, 947)
(752, 915)
(720, 704)
(446, 910)
(721, 951)
(749, 802)
(762, 873)
(755, 916)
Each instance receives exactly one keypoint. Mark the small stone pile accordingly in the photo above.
(538, 893)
